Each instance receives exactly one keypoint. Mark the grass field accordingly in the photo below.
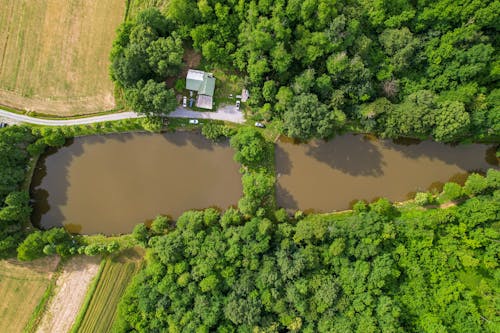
(99, 313)
(54, 54)
(22, 286)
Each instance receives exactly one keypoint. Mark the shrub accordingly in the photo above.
(475, 184)
(153, 124)
(422, 198)
(451, 191)
(213, 131)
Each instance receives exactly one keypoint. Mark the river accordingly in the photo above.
(326, 176)
(108, 184)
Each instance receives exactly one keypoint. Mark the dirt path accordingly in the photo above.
(71, 288)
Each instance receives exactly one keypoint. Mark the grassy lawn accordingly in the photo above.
(22, 288)
(54, 54)
(99, 311)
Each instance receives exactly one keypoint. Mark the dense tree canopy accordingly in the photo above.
(146, 52)
(378, 269)
(348, 54)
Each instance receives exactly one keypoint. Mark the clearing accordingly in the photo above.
(22, 286)
(69, 294)
(54, 54)
(115, 277)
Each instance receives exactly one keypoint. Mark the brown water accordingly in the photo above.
(326, 176)
(108, 184)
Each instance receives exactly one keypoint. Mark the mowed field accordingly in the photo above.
(54, 54)
(115, 277)
(22, 286)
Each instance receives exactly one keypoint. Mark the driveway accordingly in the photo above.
(226, 113)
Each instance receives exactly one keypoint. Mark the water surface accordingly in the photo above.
(326, 176)
(108, 184)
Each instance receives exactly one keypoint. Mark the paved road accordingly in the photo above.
(227, 113)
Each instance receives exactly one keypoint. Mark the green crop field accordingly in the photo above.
(54, 54)
(98, 315)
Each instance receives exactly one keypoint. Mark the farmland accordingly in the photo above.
(22, 287)
(99, 313)
(54, 55)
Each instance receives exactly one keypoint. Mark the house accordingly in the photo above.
(204, 85)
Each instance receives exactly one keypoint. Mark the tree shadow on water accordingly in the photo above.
(284, 198)
(282, 160)
(183, 138)
(351, 154)
(50, 183)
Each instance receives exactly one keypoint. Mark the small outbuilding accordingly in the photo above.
(204, 85)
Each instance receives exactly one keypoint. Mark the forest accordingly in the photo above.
(397, 68)
(379, 268)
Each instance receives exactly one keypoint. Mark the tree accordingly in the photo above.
(416, 116)
(151, 98)
(451, 191)
(307, 117)
(475, 184)
(32, 247)
(17, 207)
(258, 187)
(250, 146)
(140, 233)
(452, 122)
(165, 55)
(160, 224)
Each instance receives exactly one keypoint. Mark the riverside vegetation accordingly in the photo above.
(316, 67)
(416, 267)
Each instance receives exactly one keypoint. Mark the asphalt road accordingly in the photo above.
(227, 113)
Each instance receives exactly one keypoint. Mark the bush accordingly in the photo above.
(213, 131)
(360, 206)
(422, 198)
(451, 191)
(180, 85)
(159, 225)
(153, 124)
(475, 184)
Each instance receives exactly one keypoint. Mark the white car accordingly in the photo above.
(184, 101)
(237, 105)
(193, 121)
(261, 125)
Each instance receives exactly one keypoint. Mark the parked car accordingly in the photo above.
(2, 125)
(193, 121)
(261, 125)
(237, 105)
(184, 101)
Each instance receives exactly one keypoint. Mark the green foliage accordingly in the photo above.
(375, 270)
(451, 191)
(160, 225)
(360, 50)
(14, 202)
(41, 243)
(145, 52)
(250, 146)
(423, 198)
(141, 234)
(452, 122)
(151, 98)
(214, 131)
(306, 117)
(475, 184)
(153, 124)
(258, 189)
